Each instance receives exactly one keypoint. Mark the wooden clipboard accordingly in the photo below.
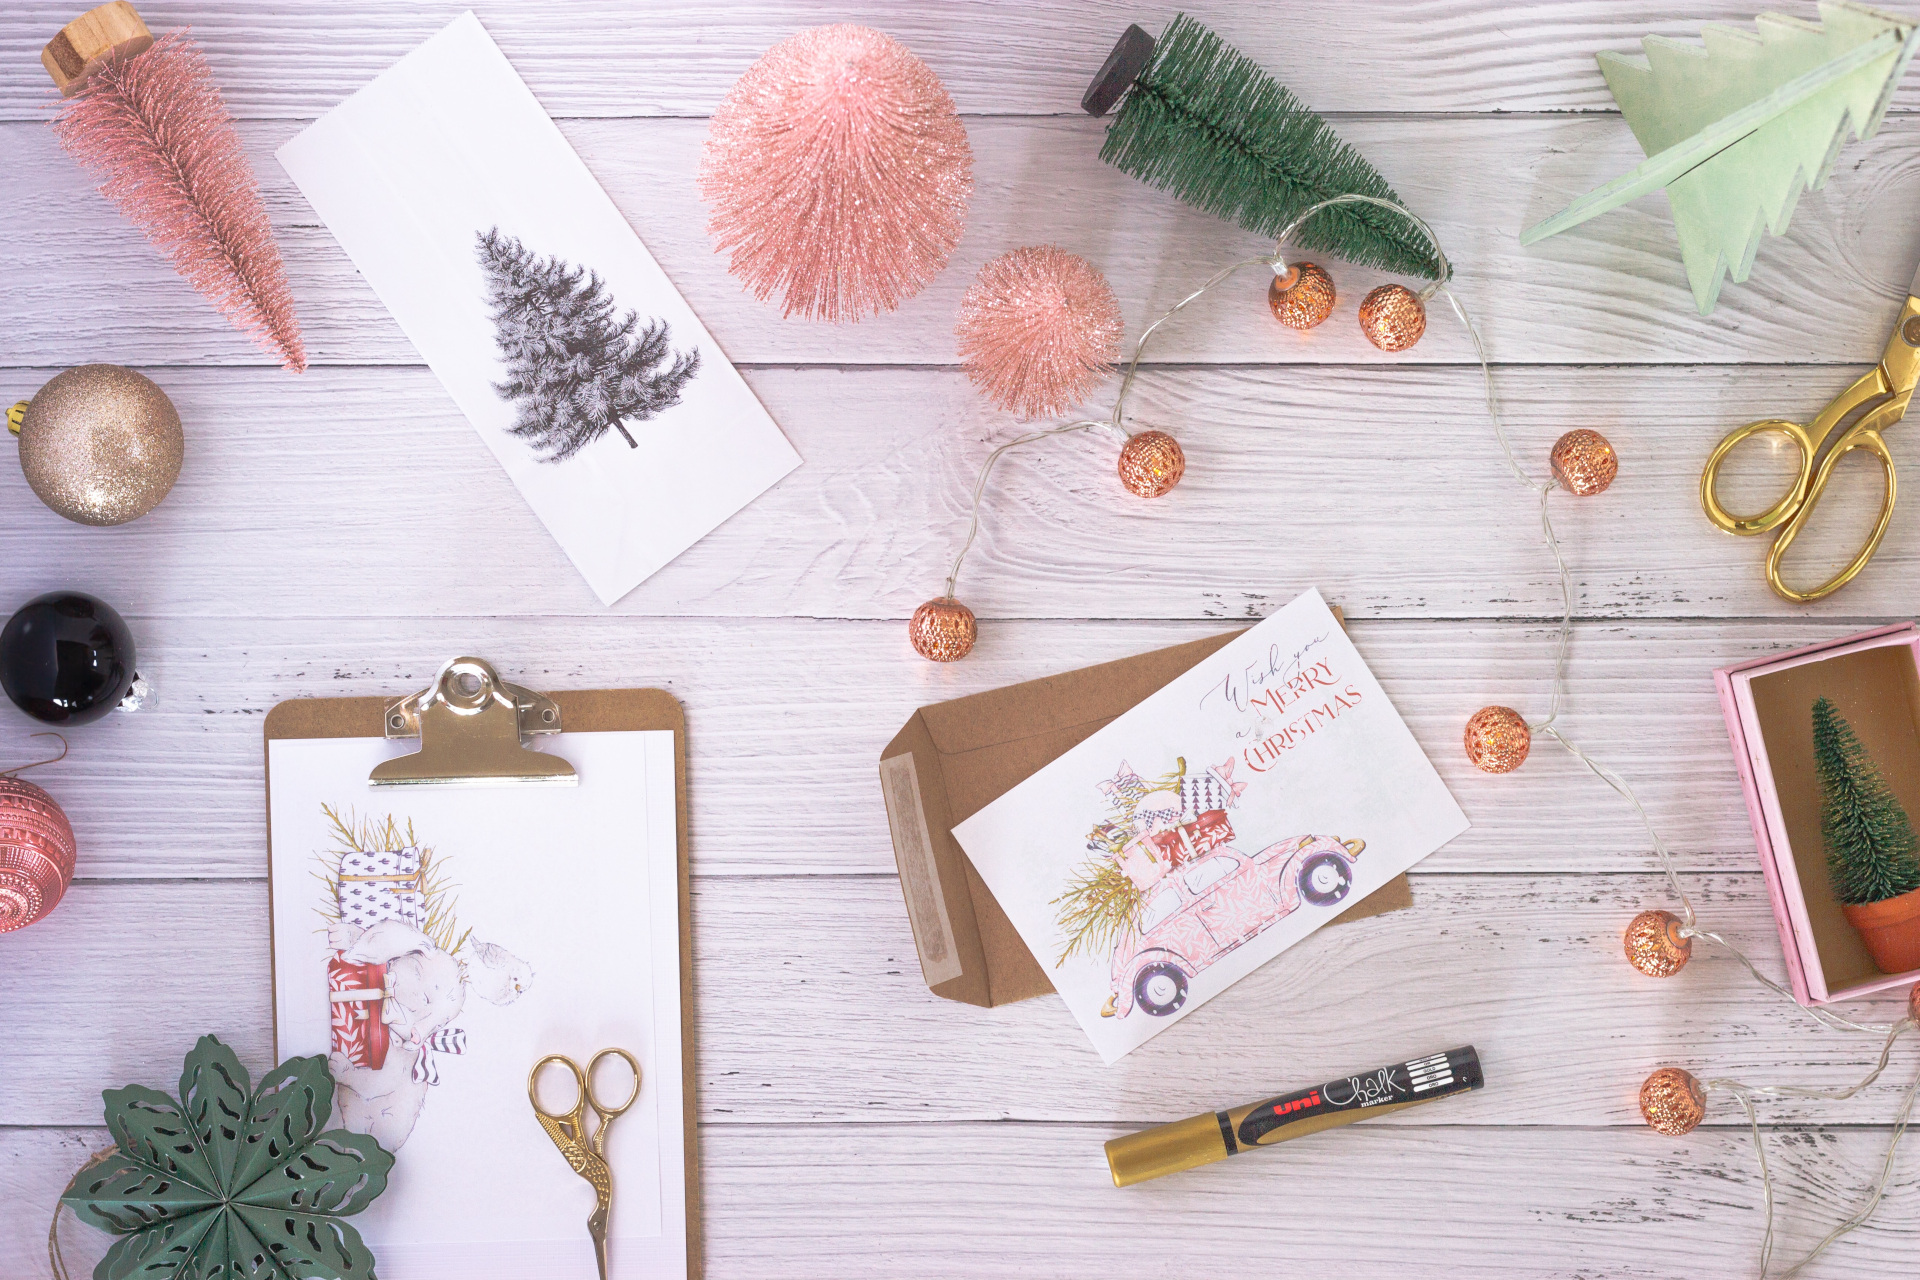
(578, 711)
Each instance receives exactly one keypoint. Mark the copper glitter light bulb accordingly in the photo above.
(943, 630)
(1672, 1101)
(1301, 298)
(1151, 463)
(1497, 739)
(1584, 463)
(1655, 945)
(1393, 317)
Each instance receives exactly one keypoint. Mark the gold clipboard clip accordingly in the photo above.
(471, 724)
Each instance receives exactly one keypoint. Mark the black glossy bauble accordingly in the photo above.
(66, 658)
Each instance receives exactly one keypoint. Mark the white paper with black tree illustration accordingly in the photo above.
(631, 440)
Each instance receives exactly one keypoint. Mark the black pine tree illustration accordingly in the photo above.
(573, 369)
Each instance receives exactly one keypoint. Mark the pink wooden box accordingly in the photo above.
(1874, 679)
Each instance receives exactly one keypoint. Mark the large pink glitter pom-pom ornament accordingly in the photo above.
(838, 173)
(1038, 330)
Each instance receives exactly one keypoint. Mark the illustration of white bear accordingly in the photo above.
(426, 988)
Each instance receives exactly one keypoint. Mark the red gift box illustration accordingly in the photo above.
(356, 992)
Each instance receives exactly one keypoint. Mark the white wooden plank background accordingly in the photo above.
(853, 1123)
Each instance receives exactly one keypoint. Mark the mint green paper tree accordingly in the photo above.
(1737, 129)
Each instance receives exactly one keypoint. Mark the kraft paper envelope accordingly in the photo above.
(952, 759)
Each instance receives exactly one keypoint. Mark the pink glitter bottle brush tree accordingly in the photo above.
(144, 117)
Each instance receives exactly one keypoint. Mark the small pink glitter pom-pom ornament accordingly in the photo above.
(1038, 330)
(838, 173)
(145, 118)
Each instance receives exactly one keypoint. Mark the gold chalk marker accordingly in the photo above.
(1188, 1144)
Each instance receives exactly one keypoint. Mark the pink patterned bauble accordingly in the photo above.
(36, 853)
(838, 173)
(1038, 330)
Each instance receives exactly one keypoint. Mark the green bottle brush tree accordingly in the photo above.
(1873, 857)
(1206, 123)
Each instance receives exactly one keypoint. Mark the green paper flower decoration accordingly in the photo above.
(231, 1182)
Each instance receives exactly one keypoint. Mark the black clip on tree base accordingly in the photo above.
(1117, 74)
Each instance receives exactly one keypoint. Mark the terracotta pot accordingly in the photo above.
(1891, 930)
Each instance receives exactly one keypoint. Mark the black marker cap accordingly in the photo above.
(1465, 1065)
(1117, 74)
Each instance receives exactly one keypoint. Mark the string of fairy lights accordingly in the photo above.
(1497, 739)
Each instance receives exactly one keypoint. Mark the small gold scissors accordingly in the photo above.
(1880, 395)
(586, 1154)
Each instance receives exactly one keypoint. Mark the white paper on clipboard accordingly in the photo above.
(551, 919)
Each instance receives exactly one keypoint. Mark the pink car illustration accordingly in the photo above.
(1205, 908)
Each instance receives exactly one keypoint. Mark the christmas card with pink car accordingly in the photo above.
(613, 410)
(1211, 827)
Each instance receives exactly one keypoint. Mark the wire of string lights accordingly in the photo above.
(1497, 739)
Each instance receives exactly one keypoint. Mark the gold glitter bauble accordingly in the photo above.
(1151, 463)
(1497, 739)
(101, 444)
(1584, 463)
(1672, 1101)
(1393, 317)
(943, 630)
(1303, 297)
(1654, 945)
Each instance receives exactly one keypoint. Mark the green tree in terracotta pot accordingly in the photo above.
(1872, 854)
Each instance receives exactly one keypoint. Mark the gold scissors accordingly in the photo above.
(1880, 396)
(586, 1154)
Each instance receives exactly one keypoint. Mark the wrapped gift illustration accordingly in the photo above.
(1147, 859)
(377, 884)
(356, 992)
(1208, 831)
(372, 885)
